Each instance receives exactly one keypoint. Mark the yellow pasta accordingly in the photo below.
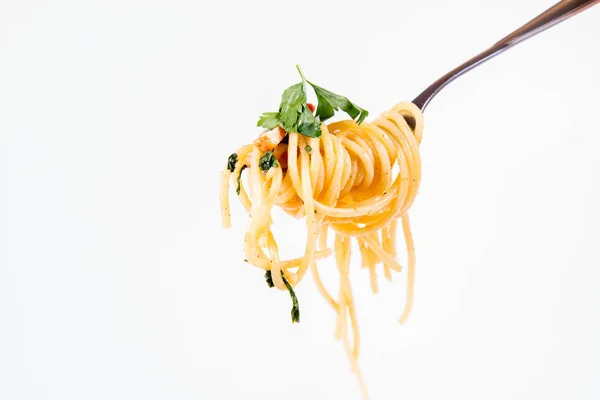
(355, 180)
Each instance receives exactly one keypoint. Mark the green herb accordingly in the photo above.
(231, 161)
(269, 278)
(308, 149)
(269, 120)
(246, 260)
(330, 102)
(237, 190)
(267, 161)
(295, 306)
(308, 125)
(295, 116)
(293, 102)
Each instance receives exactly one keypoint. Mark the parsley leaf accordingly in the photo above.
(308, 149)
(237, 190)
(267, 161)
(293, 100)
(308, 124)
(295, 305)
(269, 120)
(330, 102)
(269, 279)
(231, 161)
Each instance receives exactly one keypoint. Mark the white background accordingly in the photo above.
(117, 282)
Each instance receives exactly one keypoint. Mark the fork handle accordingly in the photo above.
(558, 13)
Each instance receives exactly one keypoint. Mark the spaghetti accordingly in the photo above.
(356, 181)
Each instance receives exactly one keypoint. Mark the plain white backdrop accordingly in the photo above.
(117, 282)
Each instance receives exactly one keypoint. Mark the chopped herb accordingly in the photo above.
(231, 161)
(246, 260)
(308, 149)
(239, 186)
(295, 115)
(269, 278)
(295, 306)
(267, 161)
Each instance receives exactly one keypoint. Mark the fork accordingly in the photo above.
(554, 15)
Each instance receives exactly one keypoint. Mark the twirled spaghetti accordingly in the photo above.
(355, 180)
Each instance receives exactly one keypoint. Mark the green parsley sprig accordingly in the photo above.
(295, 116)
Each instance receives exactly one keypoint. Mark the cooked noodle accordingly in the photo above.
(356, 180)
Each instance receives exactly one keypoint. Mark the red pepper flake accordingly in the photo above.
(311, 107)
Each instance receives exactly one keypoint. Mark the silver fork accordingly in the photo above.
(558, 13)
